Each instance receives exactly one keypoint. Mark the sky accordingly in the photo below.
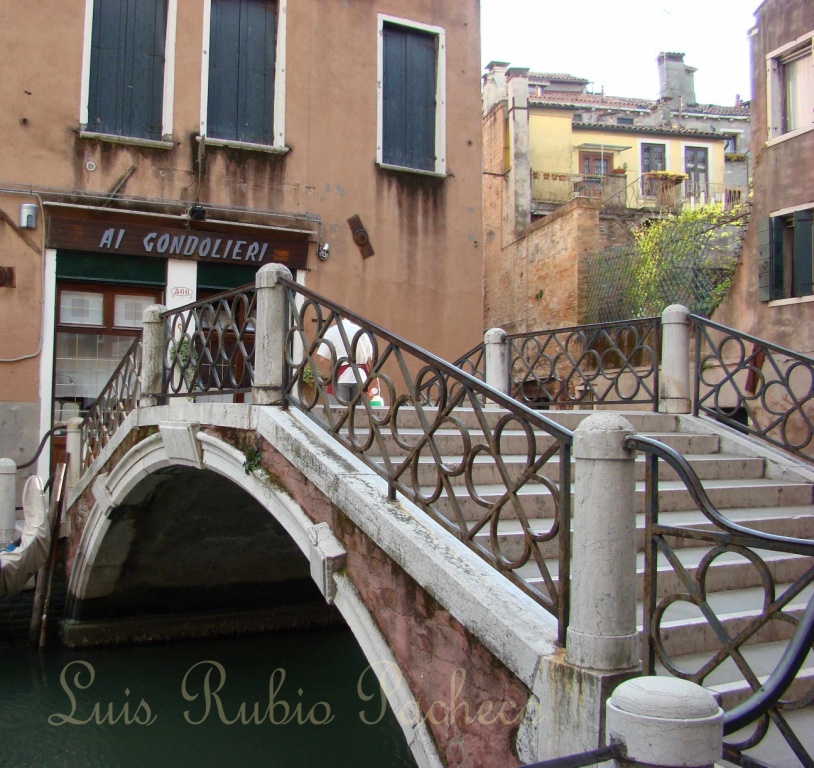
(614, 43)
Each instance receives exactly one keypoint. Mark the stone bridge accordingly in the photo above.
(437, 527)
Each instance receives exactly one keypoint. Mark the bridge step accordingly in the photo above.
(485, 470)
(537, 501)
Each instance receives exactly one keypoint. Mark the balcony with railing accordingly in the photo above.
(655, 192)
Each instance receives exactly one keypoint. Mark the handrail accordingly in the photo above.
(764, 704)
(56, 431)
(439, 428)
(615, 751)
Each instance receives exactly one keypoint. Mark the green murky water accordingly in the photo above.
(290, 699)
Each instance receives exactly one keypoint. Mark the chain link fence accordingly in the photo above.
(689, 262)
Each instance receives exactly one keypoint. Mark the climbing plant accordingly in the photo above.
(688, 258)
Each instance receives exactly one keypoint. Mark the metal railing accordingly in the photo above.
(118, 398)
(438, 428)
(755, 386)
(671, 579)
(209, 345)
(612, 363)
(561, 187)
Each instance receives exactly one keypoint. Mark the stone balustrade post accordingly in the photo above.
(675, 396)
(73, 447)
(8, 496)
(496, 360)
(602, 628)
(152, 355)
(270, 335)
(664, 721)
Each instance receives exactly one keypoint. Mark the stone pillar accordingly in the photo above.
(675, 360)
(665, 721)
(73, 447)
(602, 630)
(152, 355)
(520, 176)
(270, 338)
(496, 360)
(8, 495)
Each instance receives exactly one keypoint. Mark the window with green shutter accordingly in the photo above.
(126, 87)
(240, 105)
(786, 256)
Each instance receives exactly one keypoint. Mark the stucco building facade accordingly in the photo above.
(161, 151)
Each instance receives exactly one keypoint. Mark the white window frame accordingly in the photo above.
(169, 84)
(278, 144)
(440, 94)
(775, 87)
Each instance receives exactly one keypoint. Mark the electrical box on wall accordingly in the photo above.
(7, 277)
(28, 216)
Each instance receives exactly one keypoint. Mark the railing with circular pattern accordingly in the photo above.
(209, 345)
(612, 363)
(755, 386)
(677, 585)
(118, 398)
(485, 467)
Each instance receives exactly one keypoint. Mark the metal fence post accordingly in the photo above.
(675, 360)
(8, 494)
(496, 360)
(666, 722)
(602, 630)
(270, 335)
(152, 356)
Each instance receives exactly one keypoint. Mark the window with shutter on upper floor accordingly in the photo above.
(786, 255)
(124, 83)
(411, 104)
(790, 88)
(241, 71)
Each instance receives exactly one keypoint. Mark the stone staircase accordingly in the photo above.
(749, 483)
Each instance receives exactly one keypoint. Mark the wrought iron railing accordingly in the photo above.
(672, 579)
(209, 345)
(755, 386)
(435, 450)
(611, 363)
(118, 398)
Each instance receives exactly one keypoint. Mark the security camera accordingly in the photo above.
(323, 252)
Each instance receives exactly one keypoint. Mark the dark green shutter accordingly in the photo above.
(126, 87)
(764, 259)
(779, 290)
(241, 71)
(409, 98)
(803, 254)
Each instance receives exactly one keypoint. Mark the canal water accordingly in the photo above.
(300, 698)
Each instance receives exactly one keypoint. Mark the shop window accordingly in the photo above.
(411, 96)
(126, 81)
(95, 328)
(790, 84)
(786, 256)
(242, 54)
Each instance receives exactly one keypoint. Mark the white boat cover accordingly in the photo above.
(17, 566)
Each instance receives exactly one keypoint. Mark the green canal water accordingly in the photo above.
(288, 699)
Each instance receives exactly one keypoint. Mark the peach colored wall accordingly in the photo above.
(425, 281)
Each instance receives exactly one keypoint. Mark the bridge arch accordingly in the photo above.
(106, 542)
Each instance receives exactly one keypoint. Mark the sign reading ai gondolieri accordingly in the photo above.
(138, 239)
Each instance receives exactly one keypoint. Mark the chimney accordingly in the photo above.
(520, 176)
(494, 84)
(676, 80)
